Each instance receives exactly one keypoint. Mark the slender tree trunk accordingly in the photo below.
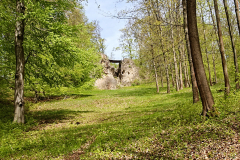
(204, 89)
(213, 57)
(209, 70)
(224, 63)
(206, 51)
(216, 33)
(173, 48)
(180, 69)
(193, 78)
(155, 70)
(165, 61)
(19, 76)
(189, 81)
(185, 68)
(214, 24)
(175, 62)
(233, 45)
(161, 73)
(167, 74)
(237, 14)
(172, 74)
(180, 55)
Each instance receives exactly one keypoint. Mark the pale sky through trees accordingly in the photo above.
(101, 10)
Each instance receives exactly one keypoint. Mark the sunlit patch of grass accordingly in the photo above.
(129, 123)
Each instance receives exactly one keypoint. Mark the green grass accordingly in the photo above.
(129, 123)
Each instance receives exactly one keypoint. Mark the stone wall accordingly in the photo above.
(112, 78)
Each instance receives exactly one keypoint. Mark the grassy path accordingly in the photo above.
(129, 123)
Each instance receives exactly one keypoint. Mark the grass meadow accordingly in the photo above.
(128, 123)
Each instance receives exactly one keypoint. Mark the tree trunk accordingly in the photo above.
(213, 57)
(193, 78)
(214, 24)
(155, 70)
(206, 51)
(180, 55)
(180, 69)
(216, 32)
(190, 81)
(175, 62)
(19, 76)
(224, 63)
(172, 74)
(165, 61)
(161, 73)
(237, 14)
(167, 74)
(185, 68)
(233, 45)
(204, 89)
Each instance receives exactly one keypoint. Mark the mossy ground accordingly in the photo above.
(128, 123)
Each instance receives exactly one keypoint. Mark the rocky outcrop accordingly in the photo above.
(129, 72)
(124, 75)
(107, 81)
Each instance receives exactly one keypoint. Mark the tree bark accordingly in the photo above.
(206, 51)
(172, 75)
(165, 61)
(19, 75)
(175, 62)
(161, 73)
(185, 68)
(204, 89)
(224, 63)
(214, 24)
(213, 57)
(155, 70)
(237, 14)
(193, 78)
(233, 45)
(180, 68)
(167, 74)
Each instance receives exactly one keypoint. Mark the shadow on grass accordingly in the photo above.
(6, 110)
(54, 115)
(117, 133)
(56, 98)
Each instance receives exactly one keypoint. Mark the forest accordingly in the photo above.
(185, 105)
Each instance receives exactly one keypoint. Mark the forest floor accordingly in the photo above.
(128, 123)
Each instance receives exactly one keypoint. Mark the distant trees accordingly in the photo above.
(54, 46)
(162, 24)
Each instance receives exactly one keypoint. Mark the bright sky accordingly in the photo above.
(101, 10)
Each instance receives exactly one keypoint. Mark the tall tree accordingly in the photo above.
(193, 78)
(20, 63)
(233, 45)
(173, 49)
(224, 63)
(155, 69)
(213, 58)
(204, 89)
(206, 51)
(237, 14)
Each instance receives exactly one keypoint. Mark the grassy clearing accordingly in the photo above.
(129, 123)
